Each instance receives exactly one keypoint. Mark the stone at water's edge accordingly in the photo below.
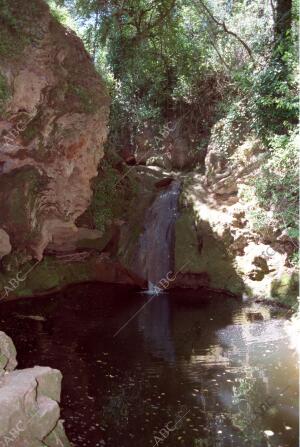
(8, 354)
(29, 403)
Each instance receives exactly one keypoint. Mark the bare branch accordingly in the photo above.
(224, 27)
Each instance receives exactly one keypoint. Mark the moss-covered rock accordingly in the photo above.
(198, 251)
(286, 288)
(4, 93)
(54, 273)
(18, 196)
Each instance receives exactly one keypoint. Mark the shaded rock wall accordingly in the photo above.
(203, 255)
(111, 255)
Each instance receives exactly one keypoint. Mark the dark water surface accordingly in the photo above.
(222, 373)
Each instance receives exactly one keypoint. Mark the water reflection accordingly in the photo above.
(236, 367)
(155, 324)
(230, 365)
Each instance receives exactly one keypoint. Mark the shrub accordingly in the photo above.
(4, 93)
(277, 188)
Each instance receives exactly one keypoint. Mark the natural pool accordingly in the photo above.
(180, 369)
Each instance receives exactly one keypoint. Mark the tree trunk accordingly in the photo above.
(283, 18)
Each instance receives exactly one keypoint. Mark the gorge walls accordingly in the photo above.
(68, 216)
(53, 124)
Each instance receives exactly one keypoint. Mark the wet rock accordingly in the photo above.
(57, 437)
(286, 286)
(164, 182)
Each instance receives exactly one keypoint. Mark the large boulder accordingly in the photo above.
(29, 403)
(53, 123)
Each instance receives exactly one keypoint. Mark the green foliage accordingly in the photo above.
(8, 29)
(104, 199)
(275, 104)
(277, 188)
(112, 193)
(230, 131)
(84, 97)
(203, 62)
(4, 92)
(18, 22)
(155, 57)
(62, 15)
(266, 107)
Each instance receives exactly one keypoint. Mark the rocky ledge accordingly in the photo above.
(216, 240)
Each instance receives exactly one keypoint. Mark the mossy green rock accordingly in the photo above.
(286, 289)
(199, 251)
(18, 194)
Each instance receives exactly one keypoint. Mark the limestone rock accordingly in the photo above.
(29, 410)
(48, 381)
(170, 147)
(57, 437)
(252, 261)
(215, 238)
(8, 353)
(69, 237)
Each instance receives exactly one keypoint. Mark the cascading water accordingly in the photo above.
(156, 245)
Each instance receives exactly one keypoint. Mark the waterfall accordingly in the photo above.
(156, 244)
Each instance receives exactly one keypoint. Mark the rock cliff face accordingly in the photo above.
(53, 115)
(215, 234)
(29, 403)
(53, 124)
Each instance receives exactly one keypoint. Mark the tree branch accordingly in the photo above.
(225, 29)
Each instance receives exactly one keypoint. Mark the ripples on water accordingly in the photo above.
(219, 373)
